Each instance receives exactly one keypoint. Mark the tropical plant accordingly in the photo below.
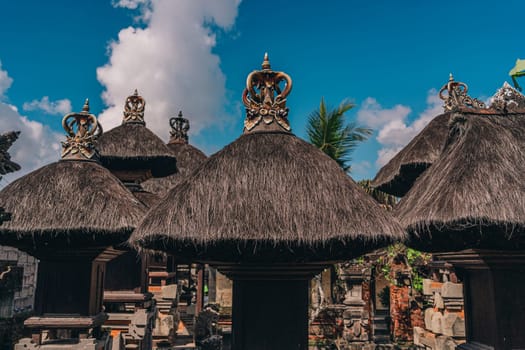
(328, 131)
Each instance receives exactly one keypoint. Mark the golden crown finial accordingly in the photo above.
(134, 109)
(265, 99)
(457, 96)
(82, 131)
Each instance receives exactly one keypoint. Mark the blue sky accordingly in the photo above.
(388, 57)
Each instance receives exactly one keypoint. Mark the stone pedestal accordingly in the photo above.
(494, 297)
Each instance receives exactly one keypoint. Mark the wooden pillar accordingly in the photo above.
(270, 315)
(200, 289)
(494, 297)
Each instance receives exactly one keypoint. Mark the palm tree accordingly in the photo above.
(327, 131)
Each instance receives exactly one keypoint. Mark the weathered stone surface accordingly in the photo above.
(428, 318)
(430, 286)
(436, 323)
(169, 291)
(438, 301)
(447, 322)
(452, 290)
(458, 328)
(419, 333)
(444, 343)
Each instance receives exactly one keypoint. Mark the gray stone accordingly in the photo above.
(419, 333)
(444, 343)
(428, 318)
(438, 301)
(429, 286)
(458, 328)
(436, 323)
(169, 291)
(447, 322)
(452, 290)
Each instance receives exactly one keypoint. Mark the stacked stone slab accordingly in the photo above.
(444, 316)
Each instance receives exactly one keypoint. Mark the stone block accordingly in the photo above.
(438, 301)
(458, 328)
(447, 322)
(445, 343)
(436, 323)
(169, 291)
(428, 318)
(430, 286)
(452, 290)
(418, 334)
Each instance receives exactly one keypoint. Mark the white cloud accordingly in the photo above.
(170, 62)
(360, 169)
(374, 116)
(394, 131)
(36, 146)
(5, 81)
(59, 107)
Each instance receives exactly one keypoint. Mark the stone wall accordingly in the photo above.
(23, 298)
(444, 316)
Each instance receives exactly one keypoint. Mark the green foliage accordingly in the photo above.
(328, 131)
(386, 200)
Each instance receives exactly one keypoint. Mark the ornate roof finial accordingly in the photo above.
(266, 62)
(179, 129)
(457, 96)
(79, 143)
(134, 109)
(264, 100)
(507, 99)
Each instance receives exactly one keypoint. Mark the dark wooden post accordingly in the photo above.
(200, 289)
(494, 283)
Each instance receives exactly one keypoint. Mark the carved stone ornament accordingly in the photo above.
(134, 109)
(263, 98)
(457, 96)
(82, 130)
(508, 99)
(179, 129)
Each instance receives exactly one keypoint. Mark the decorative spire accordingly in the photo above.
(82, 130)
(457, 96)
(508, 99)
(264, 100)
(134, 109)
(179, 129)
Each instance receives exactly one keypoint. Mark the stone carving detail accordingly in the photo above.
(263, 98)
(134, 109)
(179, 129)
(80, 143)
(457, 96)
(507, 99)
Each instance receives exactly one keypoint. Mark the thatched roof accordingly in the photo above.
(6, 141)
(68, 203)
(400, 173)
(267, 196)
(188, 158)
(133, 146)
(147, 198)
(473, 195)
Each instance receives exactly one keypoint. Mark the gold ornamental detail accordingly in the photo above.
(82, 131)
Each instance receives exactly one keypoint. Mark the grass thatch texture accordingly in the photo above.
(400, 173)
(267, 192)
(188, 158)
(133, 146)
(473, 196)
(77, 201)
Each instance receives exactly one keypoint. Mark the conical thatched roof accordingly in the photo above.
(400, 173)
(132, 146)
(188, 158)
(474, 194)
(73, 202)
(267, 195)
